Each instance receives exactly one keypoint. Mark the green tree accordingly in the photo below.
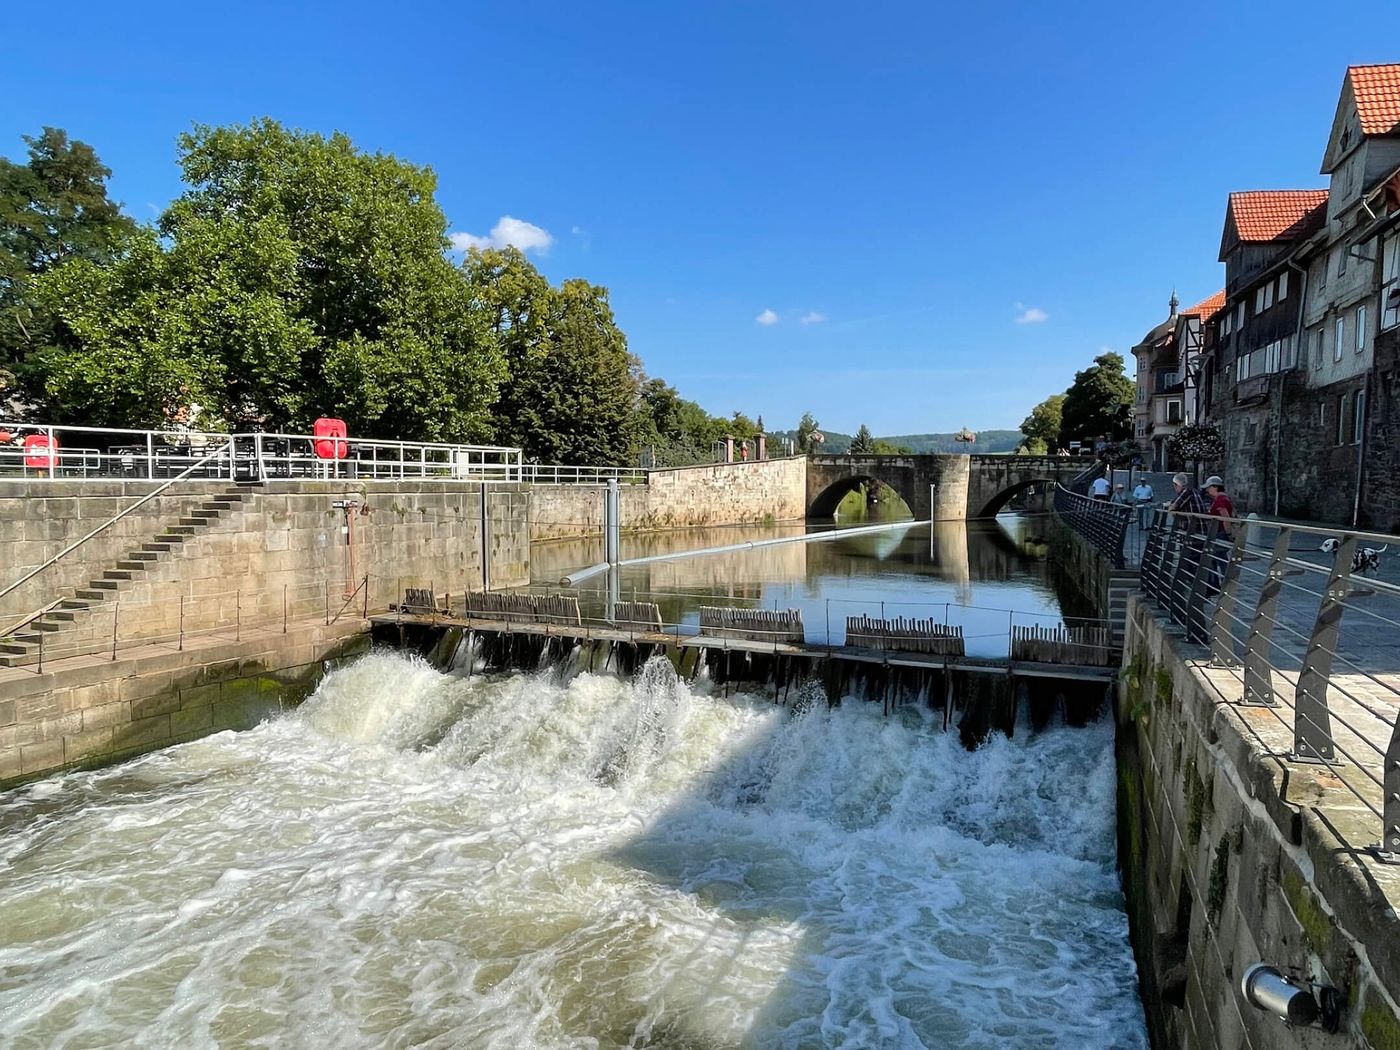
(881, 447)
(1043, 424)
(864, 442)
(53, 208)
(806, 429)
(296, 277)
(573, 393)
(1099, 403)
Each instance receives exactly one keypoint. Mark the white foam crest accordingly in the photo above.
(511, 860)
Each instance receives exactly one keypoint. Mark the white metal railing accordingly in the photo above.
(50, 453)
(561, 474)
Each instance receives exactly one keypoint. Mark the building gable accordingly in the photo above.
(1369, 107)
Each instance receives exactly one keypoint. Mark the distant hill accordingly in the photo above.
(987, 441)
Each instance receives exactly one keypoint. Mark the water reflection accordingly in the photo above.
(983, 575)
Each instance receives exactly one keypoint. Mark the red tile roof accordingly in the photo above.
(1208, 308)
(1266, 215)
(1377, 93)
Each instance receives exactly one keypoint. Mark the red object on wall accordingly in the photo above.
(330, 435)
(38, 453)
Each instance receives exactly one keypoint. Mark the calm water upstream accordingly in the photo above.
(418, 858)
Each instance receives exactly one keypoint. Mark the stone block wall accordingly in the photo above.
(282, 553)
(39, 519)
(1231, 856)
(100, 712)
(685, 497)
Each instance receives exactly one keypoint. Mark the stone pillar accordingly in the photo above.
(762, 447)
(729, 448)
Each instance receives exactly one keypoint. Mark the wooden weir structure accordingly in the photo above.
(898, 661)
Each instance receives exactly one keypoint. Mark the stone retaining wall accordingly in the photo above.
(1232, 856)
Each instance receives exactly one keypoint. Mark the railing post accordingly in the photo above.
(1222, 635)
(284, 608)
(328, 603)
(1258, 647)
(116, 611)
(53, 454)
(150, 455)
(1390, 829)
(180, 647)
(1312, 723)
(1196, 597)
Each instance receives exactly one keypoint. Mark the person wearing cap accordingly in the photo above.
(1119, 496)
(1221, 505)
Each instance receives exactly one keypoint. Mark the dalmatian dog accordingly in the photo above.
(1365, 560)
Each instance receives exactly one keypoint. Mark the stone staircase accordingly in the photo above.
(66, 626)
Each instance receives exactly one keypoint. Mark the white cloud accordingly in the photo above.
(766, 318)
(812, 317)
(508, 231)
(1030, 314)
(577, 231)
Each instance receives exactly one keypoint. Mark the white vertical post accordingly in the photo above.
(53, 454)
(485, 540)
(150, 455)
(612, 523)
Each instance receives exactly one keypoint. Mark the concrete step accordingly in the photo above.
(134, 566)
(195, 524)
(13, 649)
(104, 585)
(154, 547)
(171, 538)
(118, 575)
(205, 514)
(75, 603)
(45, 625)
(66, 615)
(219, 505)
(182, 529)
(92, 594)
(146, 554)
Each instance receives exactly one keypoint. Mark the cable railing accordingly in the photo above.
(563, 474)
(1102, 523)
(1301, 623)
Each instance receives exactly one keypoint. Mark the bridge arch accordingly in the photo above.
(938, 486)
(994, 504)
(825, 502)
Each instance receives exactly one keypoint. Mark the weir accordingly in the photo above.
(893, 662)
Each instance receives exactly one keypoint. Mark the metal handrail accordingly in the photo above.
(1285, 643)
(116, 518)
(1103, 524)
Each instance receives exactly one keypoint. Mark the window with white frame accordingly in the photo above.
(1358, 416)
(1239, 316)
(1390, 282)
(1343, 419)
(1290, 352)
(1268, 295)
(1339, 339)
(1225, 322)
(1174, 411)
(1319, 337)
(1282, 285)
(1322, 414)
(1361, 328)
(1341, 260)
(1258, 301)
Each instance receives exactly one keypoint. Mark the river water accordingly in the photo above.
(419, 858)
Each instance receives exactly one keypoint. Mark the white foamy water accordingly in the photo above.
(417, 859)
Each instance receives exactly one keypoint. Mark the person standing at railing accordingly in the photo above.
(1187, 501)
(1142, 498)
(1099, 489)
(1221, 506)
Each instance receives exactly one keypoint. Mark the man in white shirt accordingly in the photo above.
(1099, 489)
(1143, 496)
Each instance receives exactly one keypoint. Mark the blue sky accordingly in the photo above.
(963, 203)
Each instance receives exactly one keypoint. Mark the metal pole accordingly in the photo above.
(328, 603)
(150, 455)
(485, 541)
(116, 609)
(181, 646)
(284, 608)
(238, 615)
(612, 523)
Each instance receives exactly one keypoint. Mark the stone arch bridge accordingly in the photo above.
(941, 487)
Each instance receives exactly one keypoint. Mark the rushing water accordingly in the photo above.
(416, 858)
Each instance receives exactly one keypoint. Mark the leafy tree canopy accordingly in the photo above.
(1043, 424)
(864, 442)
(53, 207)
(296, 277)
(1098, 403)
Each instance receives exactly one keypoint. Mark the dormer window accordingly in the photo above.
(1346, 138)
